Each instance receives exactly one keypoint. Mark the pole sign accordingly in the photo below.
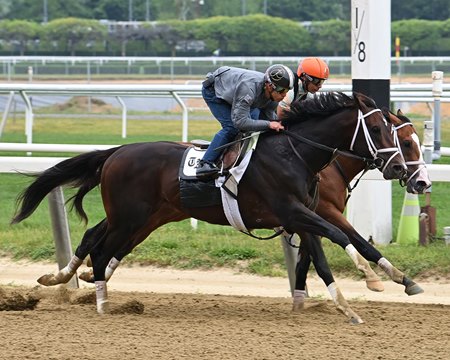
(371, 49)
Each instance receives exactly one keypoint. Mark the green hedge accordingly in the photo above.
(253, 35)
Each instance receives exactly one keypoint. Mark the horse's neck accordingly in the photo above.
(350, 167)
(317, 158)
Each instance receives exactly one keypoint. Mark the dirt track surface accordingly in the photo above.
(203, 323)
(65, 325)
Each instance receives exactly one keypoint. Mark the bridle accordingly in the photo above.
(402, 182)
(421, 163)
(378, 162)
(374, 163)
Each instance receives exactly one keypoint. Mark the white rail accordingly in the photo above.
(175, 91)
(399, 92)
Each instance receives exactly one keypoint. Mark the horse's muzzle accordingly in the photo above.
(396, 171)
(416, 187)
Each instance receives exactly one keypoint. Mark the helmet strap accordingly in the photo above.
(304, 83)
(296, 85)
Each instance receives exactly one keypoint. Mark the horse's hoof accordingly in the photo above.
(87, 276)
(47, 280)
(103, 307)
(356, 320)
(298, 307)
(375, 285)
(413, 289)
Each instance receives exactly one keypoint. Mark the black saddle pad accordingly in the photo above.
(196, 193)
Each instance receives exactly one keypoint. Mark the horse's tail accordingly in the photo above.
(82, 172)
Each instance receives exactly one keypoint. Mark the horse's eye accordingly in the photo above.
(406, 143)
(376, 130)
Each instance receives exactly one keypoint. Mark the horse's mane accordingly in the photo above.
(322, 105)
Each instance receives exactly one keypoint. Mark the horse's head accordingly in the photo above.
(374, 136)
(417, 180)
(348, 123)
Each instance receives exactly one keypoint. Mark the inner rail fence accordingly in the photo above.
(434, 93)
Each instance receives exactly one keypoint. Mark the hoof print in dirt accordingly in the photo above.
(130, 307)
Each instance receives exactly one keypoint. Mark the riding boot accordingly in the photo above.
(206, 169)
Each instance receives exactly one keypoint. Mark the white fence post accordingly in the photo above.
(61, 233)
(369, 210)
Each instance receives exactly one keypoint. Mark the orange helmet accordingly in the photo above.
(314, 67)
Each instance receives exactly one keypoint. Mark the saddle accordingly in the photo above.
(202, 193)
(231, 157)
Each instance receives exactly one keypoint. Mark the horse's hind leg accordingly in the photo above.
(90, 238)
(116, 238)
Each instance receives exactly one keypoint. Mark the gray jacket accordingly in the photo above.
(244, 91)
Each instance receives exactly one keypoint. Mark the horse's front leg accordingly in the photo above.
(411, 288)
(306, 220)
(370, 253)
(312, 249)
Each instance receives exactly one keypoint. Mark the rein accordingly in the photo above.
(275, 234)
(344, 177)
(327, 148)
(374, 163)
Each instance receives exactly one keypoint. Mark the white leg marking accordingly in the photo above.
(113, 264)
(395, 274)
(102, 297)
(298, 300)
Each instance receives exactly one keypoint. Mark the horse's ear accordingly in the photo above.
(400, 113)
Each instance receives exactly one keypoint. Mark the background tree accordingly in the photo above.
(420, 36)
(178, 34)
(147, 33)
(310, 10)
(214, 31)
(33, 10)
(445, 35)
(264, 35)
(420, 9)
(331, 37)
(74, 32)
(19, 33)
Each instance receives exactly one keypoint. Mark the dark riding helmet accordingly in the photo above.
(280, 77)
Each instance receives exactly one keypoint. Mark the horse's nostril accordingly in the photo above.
(422, 185)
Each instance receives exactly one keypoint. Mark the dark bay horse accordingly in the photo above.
(333, 188)
(140, 185)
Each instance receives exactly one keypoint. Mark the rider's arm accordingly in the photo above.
(285, 104)
(241, 107)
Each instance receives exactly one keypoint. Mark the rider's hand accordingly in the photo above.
(275, 125)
